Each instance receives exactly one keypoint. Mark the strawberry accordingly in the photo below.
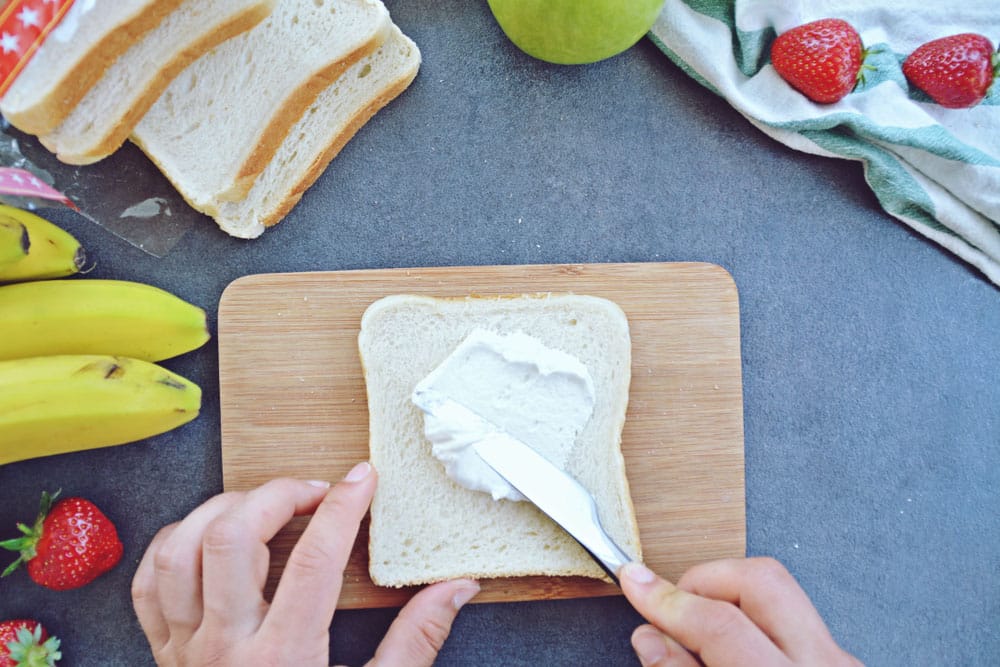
(822, 59)
(70, 544)
(25, 643)
(956, 71)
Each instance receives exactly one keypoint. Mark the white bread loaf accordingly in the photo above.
(425, 527)
(103, 119)
(74, 57)
(336, 115)
(218, 124)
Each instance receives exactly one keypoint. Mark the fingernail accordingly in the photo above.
(318, 483)
(465, 594)
(358, 472)
(638, 573)
(650, 646)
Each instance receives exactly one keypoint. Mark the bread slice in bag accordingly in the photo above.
(74, 56)
(105, 116)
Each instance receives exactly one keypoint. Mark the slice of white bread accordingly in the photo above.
(336, 115)
(74, 57)
(219, 123)
(425, 527)
(103, 119)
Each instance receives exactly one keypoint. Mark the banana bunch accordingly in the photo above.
(77, 356)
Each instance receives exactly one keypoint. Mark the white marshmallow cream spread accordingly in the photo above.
(541, 396)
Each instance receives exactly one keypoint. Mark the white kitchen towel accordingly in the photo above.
(936, 169)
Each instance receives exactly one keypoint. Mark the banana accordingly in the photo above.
(67, 403)
(54, 252)
(97, 317)
(14, 242)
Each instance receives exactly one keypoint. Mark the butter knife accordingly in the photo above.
(554, 492)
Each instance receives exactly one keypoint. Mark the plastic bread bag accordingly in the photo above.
(123, 193)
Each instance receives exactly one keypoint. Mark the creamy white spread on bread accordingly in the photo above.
(539, 395)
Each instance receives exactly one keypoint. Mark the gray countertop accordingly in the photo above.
(870, 356)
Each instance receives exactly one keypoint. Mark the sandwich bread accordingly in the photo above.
(75, 55)
(241, 104)
(103, 119)
(329, 123)
(425, 527)
(219, 123)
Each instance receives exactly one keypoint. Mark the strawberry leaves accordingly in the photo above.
(25, 545)
(70, 544)
(25, 643)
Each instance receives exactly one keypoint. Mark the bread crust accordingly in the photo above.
(48, 112)
(291, 111)
(120, 131)
(323, 160)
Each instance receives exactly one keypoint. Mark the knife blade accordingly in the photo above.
(556, 494)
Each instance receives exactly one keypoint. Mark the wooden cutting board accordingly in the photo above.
(293, 399)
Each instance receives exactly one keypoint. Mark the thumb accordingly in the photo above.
(717, 631)
(423, 625)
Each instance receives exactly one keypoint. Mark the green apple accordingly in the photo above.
(571, 32)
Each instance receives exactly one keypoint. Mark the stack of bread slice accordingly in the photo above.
(75, 56)
(100, 122)
(241, 103)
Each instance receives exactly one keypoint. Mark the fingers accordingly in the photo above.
(315, 568)
(213, 548)
(655, 649)
(235, 556)
(770, 597)
(422, 627)
(144, 595)
(177, 567)
(718, 632)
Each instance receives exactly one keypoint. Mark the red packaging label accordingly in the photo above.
(22, 183)
(24, 25)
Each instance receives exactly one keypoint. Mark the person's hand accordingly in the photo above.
(728, 613)
(198, 592)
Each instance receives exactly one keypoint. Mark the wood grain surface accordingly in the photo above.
(293, 399)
